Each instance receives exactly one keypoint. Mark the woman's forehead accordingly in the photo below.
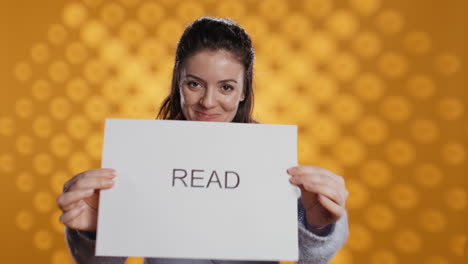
(213, 64)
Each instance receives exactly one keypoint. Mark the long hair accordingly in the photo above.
(208, 33)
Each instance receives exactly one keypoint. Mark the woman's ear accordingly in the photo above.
(242, 96)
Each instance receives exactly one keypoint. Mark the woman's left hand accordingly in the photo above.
(324, 194)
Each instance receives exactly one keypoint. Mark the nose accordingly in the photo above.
(208, 100)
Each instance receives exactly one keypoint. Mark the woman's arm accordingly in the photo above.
(319, 249)
(82, 247)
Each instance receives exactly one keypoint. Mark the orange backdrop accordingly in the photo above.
(378, 89)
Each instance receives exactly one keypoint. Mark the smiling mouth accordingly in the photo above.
(204, 116)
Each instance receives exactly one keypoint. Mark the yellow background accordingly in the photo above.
(378, 89)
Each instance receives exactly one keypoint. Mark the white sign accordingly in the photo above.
(199, 190)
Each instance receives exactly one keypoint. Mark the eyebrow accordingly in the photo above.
(200, 79)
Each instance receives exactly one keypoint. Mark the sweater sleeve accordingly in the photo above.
(82, 247)
(315, 249)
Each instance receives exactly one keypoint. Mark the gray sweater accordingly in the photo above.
(313, 249)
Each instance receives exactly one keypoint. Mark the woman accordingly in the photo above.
(212, 81)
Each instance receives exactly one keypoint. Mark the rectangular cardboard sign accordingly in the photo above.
(199, 190)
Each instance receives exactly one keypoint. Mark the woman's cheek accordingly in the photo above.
(231, 103)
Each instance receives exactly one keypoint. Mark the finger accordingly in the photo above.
(320, 174)
(93, 183)
(103, 172)
(327, 191)
(68, 200)
(68, 217)
(334, 209)
(99, 173)
(325, 186)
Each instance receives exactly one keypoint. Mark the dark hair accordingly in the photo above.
(208, 33)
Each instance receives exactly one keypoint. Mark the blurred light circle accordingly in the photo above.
(112, 14)
(421, 86)
(432, 220)
(57, 34)
(59, 71)
(396, 108)
(389, 21)
(360, 238)
(76, 53)
(22, 71)
(79, 162)
(189, 10)
(417, 42)
(458, 244)
(346, 108)
(96, 71)
(424, 130)
(320, 46)
(428, 175)
(325, 130)
(74, 15)
(349, 151)
(41, 90)
(43, 163)
(376, 173)
(25, 182)
(61, 145)
(7, 126)
(322, 88)
(404, 196)
(78, 126)
(25, 220)
(380, 217)
(358, 194)
(43, 240)
(436, 260)
(93, 33)
(408, 241)
(383, 256)
(366, 44)
(344, 66)
(399, 152)
(451, 108)
(57, 180)
(393, 65)
(24, 144)
(77, 89)
(60, 108)
(94, 145)
(150, 13)
(295, 26)
(43, 201)
(318, 8)
(42, 126)
(372, 130)
(368, 86)
(365, 7)
(40, 52)
(455, 198)
(453, 153)
(342, 23)
(132, 32)
(61, 256)
(447, 63)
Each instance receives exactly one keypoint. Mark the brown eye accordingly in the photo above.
(227, 88)
(193, 84)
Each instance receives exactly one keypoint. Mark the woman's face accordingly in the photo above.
(211, 86)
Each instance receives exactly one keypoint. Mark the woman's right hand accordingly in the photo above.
(79, 201)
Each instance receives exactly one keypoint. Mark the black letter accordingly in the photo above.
(226, 180)
(198, 178)
(217, 180)
(181, 178)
